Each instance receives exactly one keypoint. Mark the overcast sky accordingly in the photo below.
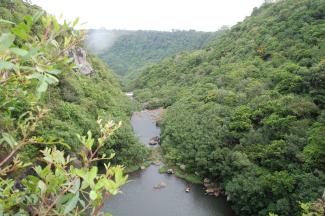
(205, 15)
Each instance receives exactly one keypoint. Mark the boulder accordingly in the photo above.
(206, 181)
(156, 163)
(216, 193)
(129, 94)
(170, 171)
(154, 140)
(160, 185)
(80, 58)
(182, 167)
(212, 190)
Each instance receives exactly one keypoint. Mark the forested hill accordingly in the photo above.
(127, 51)
(75, 100)
(249, 109)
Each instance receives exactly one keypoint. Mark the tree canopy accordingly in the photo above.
(128, 51)
(248, 109)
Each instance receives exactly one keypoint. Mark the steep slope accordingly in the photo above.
(127, 51)
(249, 109)
(76, 102)
(40, 173)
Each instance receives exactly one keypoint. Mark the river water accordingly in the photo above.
(139, 198)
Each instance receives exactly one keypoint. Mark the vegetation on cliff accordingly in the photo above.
(46, 167)
(248, 110)
(76, 101)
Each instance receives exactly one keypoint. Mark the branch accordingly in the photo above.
(12, 153)
(59, 196)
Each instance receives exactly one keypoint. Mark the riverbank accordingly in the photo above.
(135, 168)
(156, 156)
(150, 118)
(177, 197)
(190, 178)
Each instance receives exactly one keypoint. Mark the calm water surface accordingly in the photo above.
(139, 198)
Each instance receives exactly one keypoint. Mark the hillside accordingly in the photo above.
(75, 102)
(62, 116)
(248, 110)
(128, 51)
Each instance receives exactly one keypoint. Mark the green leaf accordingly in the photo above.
(89, 141)
(9, 139)
(7, 21)
(112, 155)
(119, 178)
(37, 16)
(32, 52)
(6, 40)
(82, 203)
(79, 172)
(21, 30)
(4, 65)
(54, 72)
(93, 195)
(66, 198)
(19, 52)
(42, 186)
(28, 20)
(37, 76)
(92, 173)
(55, 25)
(55, 44)
(71, 204)
(75, 22)
(42, 87)
(75, 187)
(50, 79)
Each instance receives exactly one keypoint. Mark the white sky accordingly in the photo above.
(204, 15)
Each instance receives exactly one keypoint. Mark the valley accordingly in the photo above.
(145, 122)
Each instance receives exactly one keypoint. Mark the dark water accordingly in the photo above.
(139, 198)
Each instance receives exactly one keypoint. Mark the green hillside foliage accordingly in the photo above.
(39, 173)
(15, 10)
(249, 109)
(129, 51)
(75, 102)
(78, 101)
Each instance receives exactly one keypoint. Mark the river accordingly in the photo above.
(139, 198)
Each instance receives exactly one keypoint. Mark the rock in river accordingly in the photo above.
(154, 140)
(160, 185)
(170, 171)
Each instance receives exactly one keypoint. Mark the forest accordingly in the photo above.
(126, 52)
(244, 107)
(248, 110)
(47, 105)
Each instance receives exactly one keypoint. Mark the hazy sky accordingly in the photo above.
(205, 15)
